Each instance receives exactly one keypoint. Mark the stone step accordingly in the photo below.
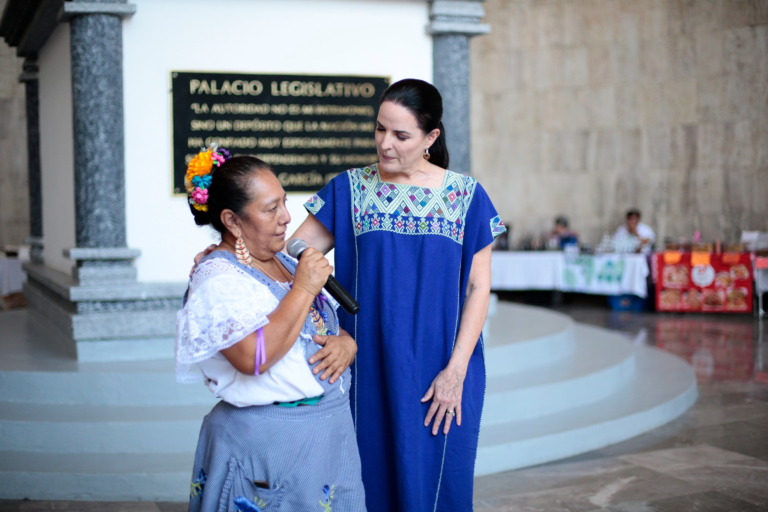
(93, 429)
(126, 431)
(95, 477)
(601, 363)
(525, 337)
(135, 386)
(35, 371)
(663, 388)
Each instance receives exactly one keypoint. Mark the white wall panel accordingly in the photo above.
(341, 37)
(56, 148)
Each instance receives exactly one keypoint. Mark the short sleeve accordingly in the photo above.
(321, 205)
(483, 223)
(222, 309)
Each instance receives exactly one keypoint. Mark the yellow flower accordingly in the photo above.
(200, 165)
(201, 207)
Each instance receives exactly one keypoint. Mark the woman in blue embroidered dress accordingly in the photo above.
(282, 436)
(413, 245)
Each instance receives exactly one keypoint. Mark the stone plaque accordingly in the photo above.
(309, 128)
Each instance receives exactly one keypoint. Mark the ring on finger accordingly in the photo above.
(450, 413)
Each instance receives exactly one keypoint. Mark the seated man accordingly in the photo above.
(561, 235)
(633, 228)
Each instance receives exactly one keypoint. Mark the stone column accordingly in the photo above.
(100, 312)
(97, 118)
(96, 44)
(29, 77)
(452, 23)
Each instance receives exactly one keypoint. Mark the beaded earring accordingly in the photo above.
(241, 252)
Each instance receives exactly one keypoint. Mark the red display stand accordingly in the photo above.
(703, 282)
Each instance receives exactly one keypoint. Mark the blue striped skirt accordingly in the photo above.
(270, 458)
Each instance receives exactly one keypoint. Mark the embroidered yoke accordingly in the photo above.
(405, 253)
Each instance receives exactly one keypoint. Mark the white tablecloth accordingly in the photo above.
(605, 274)
(526, 270)
(11, 276)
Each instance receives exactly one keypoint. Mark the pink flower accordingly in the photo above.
(200, 195)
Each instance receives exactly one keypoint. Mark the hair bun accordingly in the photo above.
(214, 188)
(201, 217)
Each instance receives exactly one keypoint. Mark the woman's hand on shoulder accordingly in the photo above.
(312, 271)
(337, 354)
(199, 256)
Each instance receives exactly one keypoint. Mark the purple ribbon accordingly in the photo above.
(319, 301)
(260, 357)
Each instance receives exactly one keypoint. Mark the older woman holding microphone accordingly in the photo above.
(282, 437)
(413, 245)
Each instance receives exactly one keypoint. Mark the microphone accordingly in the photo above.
(296, 247)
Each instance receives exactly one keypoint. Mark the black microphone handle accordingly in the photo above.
(341, 295)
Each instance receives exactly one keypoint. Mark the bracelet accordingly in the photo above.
(260, 356)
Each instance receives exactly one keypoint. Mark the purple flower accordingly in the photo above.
(223, 152)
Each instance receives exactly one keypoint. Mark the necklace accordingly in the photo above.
(280, 267)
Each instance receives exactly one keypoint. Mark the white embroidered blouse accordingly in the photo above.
(225, 305)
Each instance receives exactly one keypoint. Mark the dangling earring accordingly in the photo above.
(426, 154)
(241, 251)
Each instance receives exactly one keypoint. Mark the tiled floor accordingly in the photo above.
(713, 458)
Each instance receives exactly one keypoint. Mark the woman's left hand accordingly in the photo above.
(337, 354)
(445, 393)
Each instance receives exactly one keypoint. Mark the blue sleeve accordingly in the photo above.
(323, 204)
(483, 223)
(333, 207)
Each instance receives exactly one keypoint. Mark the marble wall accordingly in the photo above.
(589, 107)
(14, 192)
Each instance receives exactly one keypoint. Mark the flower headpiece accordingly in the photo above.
(200, 174)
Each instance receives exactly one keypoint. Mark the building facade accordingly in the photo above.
(113, 242)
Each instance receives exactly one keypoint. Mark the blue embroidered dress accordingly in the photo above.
(405, 253)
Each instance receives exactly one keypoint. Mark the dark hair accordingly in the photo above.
(562, 220)
(229, 190)
(423, 100)
(632, 212)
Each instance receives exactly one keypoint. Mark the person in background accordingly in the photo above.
(638, 230)
(561, 235)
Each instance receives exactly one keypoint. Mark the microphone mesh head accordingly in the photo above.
(296, 246)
